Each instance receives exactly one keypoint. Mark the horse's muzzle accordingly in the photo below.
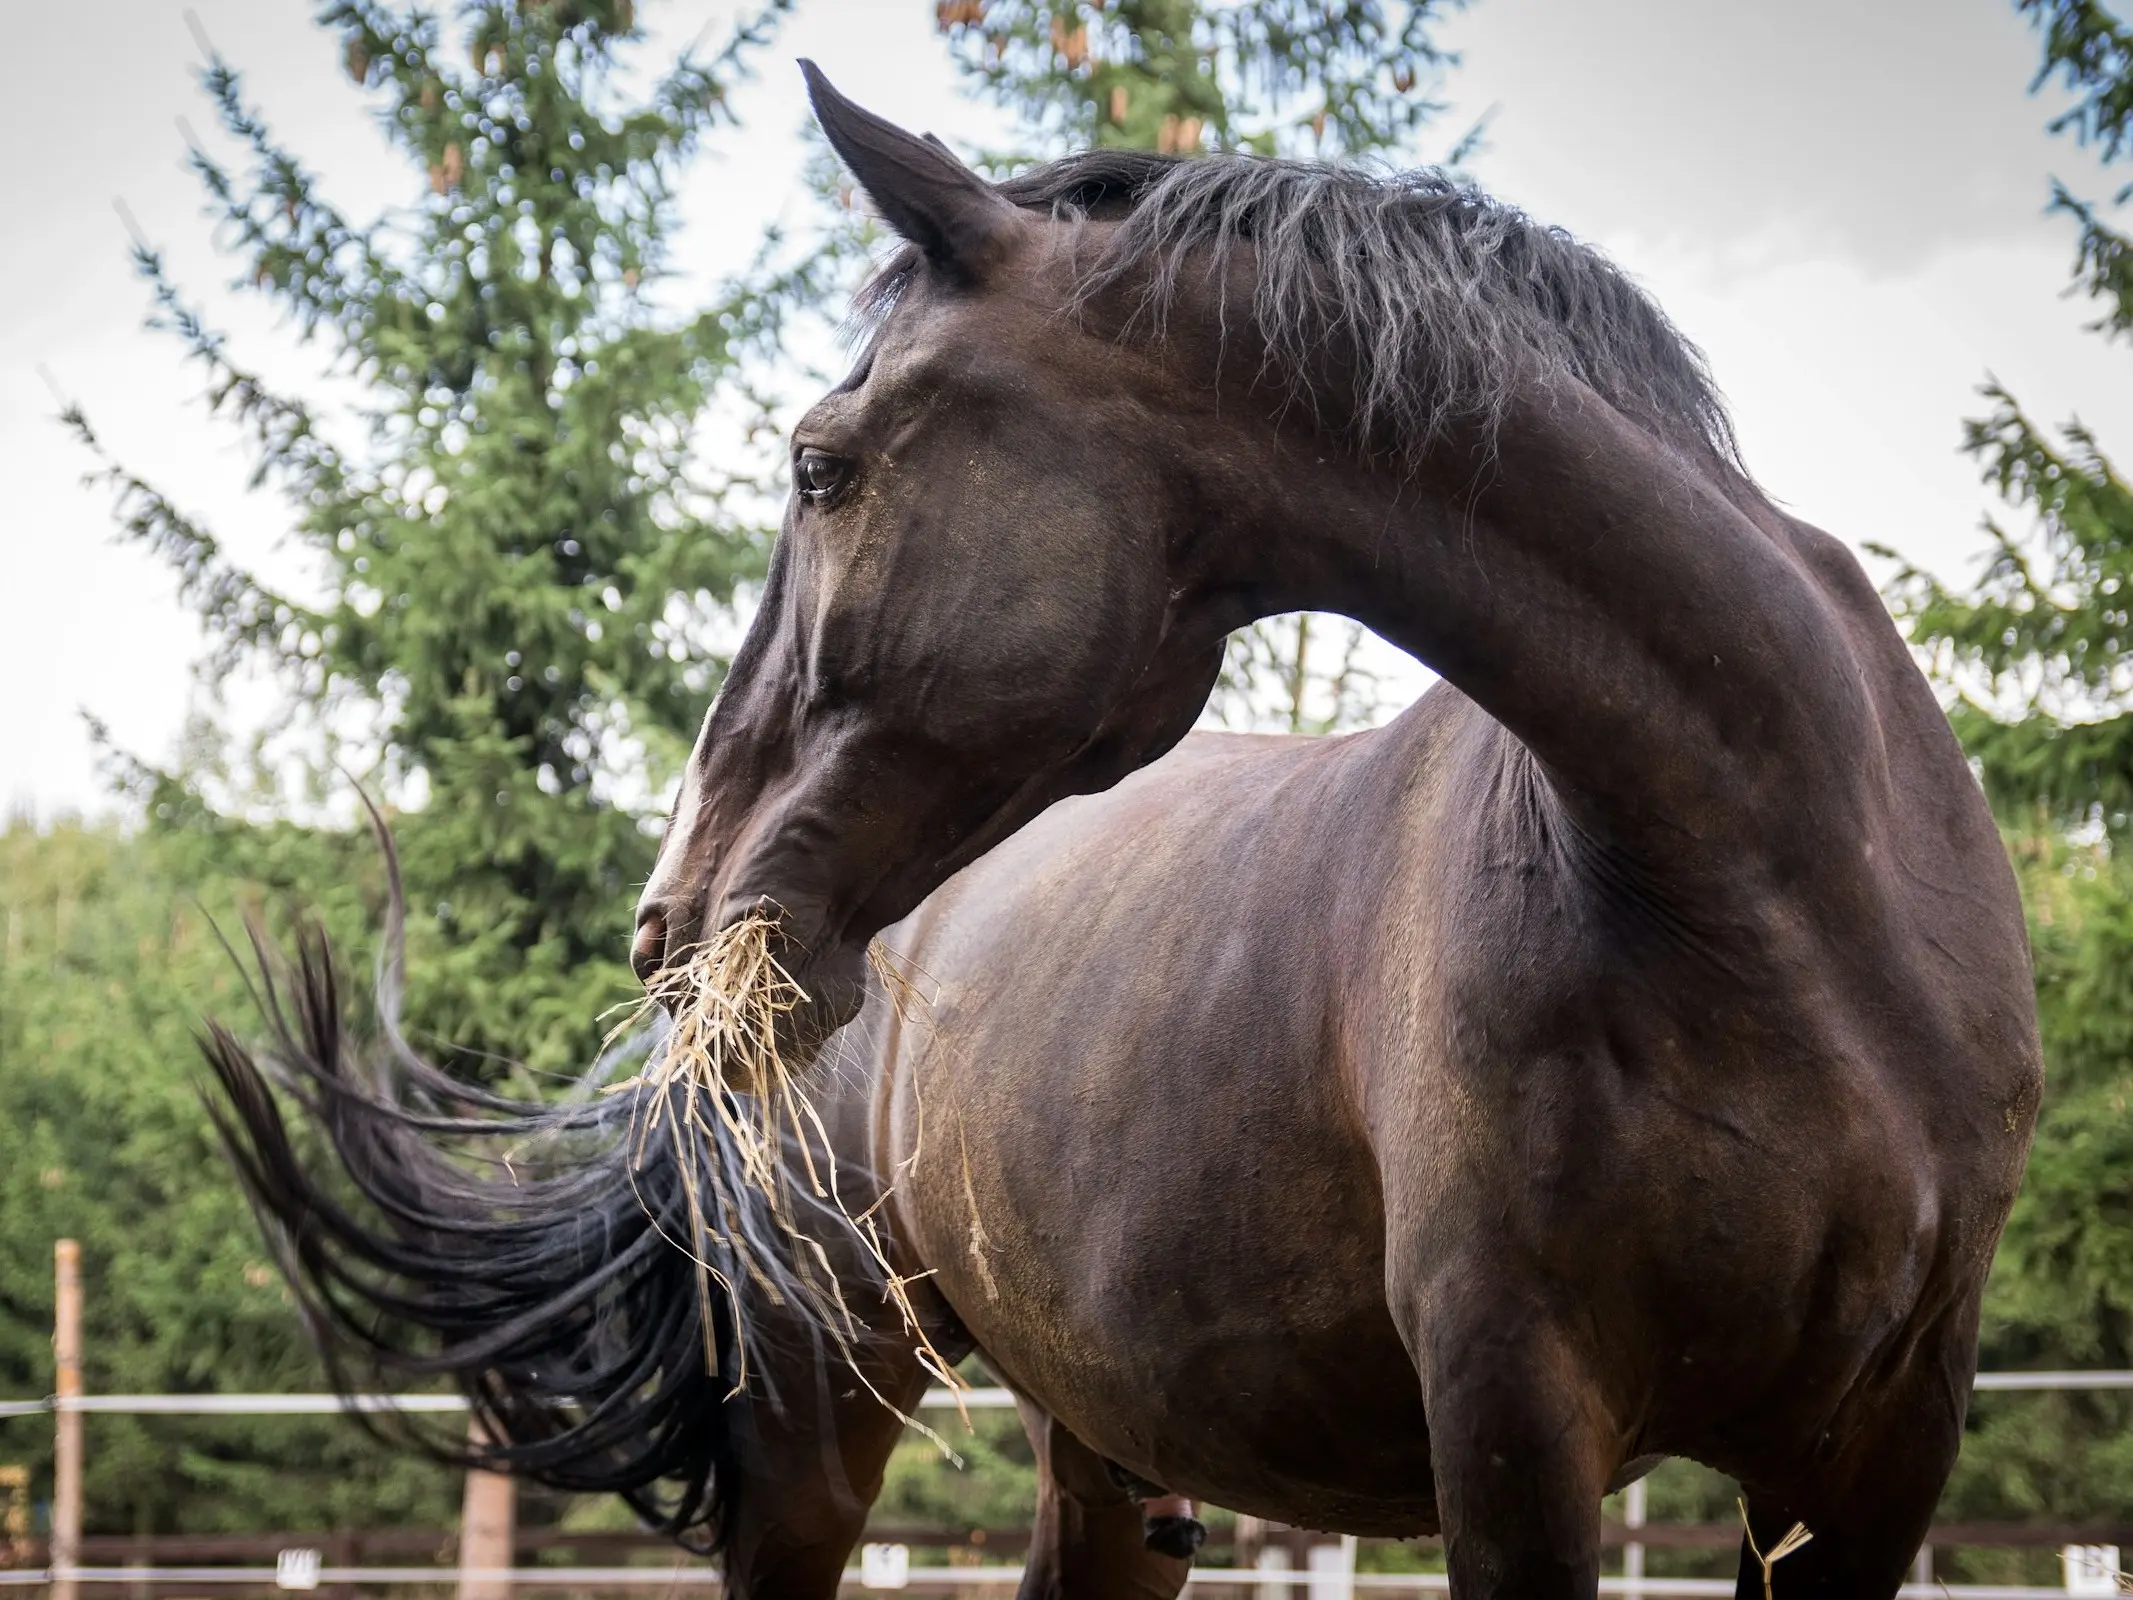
(648, 950)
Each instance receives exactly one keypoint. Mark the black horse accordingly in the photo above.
(1628, 1052)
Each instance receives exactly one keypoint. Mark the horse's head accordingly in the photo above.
(971, 608)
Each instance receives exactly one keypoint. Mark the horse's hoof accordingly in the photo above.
(1174, 1536)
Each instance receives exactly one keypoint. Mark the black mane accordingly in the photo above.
(1434, 287)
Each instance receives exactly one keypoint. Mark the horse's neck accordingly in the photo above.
(1670, 659)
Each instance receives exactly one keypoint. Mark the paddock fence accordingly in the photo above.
(1264, 1561)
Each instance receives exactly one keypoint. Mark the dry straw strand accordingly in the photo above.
(911, 995)
(719, 1079)
(1795, 1536)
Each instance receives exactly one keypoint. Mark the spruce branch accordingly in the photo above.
(284, 432)
(2103, 263)
(692, 96)
(298, 245)
(243, 616)
(2090, 51)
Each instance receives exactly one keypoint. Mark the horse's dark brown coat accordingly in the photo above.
(1630, 1050)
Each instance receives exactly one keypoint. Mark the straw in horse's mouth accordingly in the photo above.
(720, 1080)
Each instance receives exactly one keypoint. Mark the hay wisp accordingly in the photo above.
(1795, 1536)
(750, 1142)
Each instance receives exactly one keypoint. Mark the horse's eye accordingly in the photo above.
(818, 475)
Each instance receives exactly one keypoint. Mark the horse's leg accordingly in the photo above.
(814, 1465)
(1087, 1542)
(1869, 1506)
(1521, 1449)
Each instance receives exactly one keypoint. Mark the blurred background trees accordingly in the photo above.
(535, 527)
(1275, 77)
(534, 498)
(108, 963)
(525, 554)
(526, 560)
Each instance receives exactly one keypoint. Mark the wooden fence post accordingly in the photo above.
(488, 1527)
(66, 1422)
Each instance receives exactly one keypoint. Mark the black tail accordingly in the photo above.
(538, 1256)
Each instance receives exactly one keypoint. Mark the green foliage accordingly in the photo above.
(2039, 649)
(526, 564)
(2071, 1300)
(525, 570)
(2037, 656)
(2040, 646)
(106, 962)
(520, 572)
(2062, 1288)
(1304, 672)
(2089, 50)
(1270, 76)
(995, 1487)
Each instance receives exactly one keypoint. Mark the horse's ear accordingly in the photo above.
(958, 219)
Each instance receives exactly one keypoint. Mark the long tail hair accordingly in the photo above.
(536, 1255)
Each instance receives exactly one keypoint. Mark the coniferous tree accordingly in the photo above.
(526, 564)
(525, 573)
(1276, 77)
(2039, 648)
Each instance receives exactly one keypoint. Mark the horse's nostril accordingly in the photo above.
(648, 952)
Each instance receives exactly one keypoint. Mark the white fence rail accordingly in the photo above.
(310, 1405)
(321, 1405)
(1317, 1586)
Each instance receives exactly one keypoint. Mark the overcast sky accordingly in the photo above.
(1840, 200)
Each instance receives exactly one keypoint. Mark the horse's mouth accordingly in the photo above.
(748, 1002)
